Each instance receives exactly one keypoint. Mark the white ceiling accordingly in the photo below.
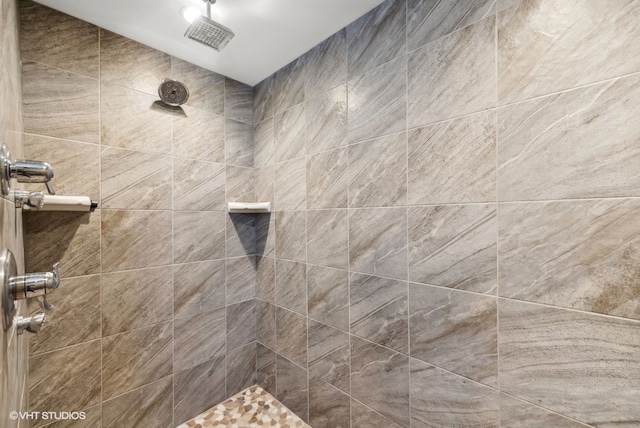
(268, 33)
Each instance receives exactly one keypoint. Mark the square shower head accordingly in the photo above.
(209, 32)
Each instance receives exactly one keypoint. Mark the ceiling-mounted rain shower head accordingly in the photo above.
(204, 30)
(173, 93)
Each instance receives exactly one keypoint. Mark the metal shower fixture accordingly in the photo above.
(206, 31)
(173, 93)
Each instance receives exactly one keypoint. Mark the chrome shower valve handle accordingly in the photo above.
(35, 285)
(24, 171)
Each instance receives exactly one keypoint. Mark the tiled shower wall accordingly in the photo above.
(154, 321)
(13, 348)
(457, 229)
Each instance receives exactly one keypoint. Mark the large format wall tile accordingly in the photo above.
(453, 161)
(135, 239)
(266, 369)
(289, 85)
(290, 185)
(441, 399)
(76, 318)
(428, 20)
(131, 64)
(327, 233)
(329, 354)
(198, 389)
(241, 369)
(456, 331)
(292, 387)
(134, 120)
(291, 285)
(135, 180)
(577, 254)
(328, 296)
(263, 143)
(266, 278)
(206, 88)
(238, 101)
(378, 241)
(291, 336)
(135, 358)
(198, 236)
(379, 311)
(263, 98)
(150, 405)
(59, 104)
(326, 65)
(241, 324)
(198, 338)
(198, 134)
(288, 129)
(378, 101)
(364, 417)
(576, 144)
(453, 76)
(378, 172)
(376, 37)
(266, 324)
(328, 407)
(240, 235)
(59, 40)
(240, 186)
(454, 246)
(380, 379)
(241, 279)
(514, 412)
(136, 299)
(238, 139)
(198, 287)
(544, 46)
(74, 370)
(198, 186)
(326, 120)
(290, 235)
(327, 179)
(581, 365)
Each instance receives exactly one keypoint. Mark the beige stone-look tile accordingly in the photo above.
(206, 88)
(581, 365)
(427, 21)
(327, 235)
(378, 101)
(59, 104)
(328, 296)
(59, 40)
(241, 324)
(327, 179)
(71, 238)
(93, 418)
(238, 143)
(378, 311)
(576, 144)
(263, 98)
(293, 387)
(75, 317)
(198, 134)
(198, 236)
(378, 172)
(453, 161)
(576, 254)
(266, 236)
(380, 379)
(240, 184)
(198, 287)
(241, 369)
(134, 120)
(150, 405)
(545, 46)
(135, 180)
(266, 324)
(135, 239)
(326, 120)
(266, 368)
(74, 370)
(378, 241)
(290, 235)
(517, 413)
(291, 336)
(291, 285)
(328, 407)
(289, 134)
(266, 279)
(238, 101)
(76, 165)
(364, 417)
(131, 64)
(288, 85)
(136, 299)
(455, 331)
(329, 354)
(198, 389)
(263, 143)
(198, 186)
(264, 178)
(442, 399)
(241, 235)
(453, 76)
(136, 358)
(290, 185)
(326, 65)
(454, 246)
(198, 338)
(241, 279)
(377, 37)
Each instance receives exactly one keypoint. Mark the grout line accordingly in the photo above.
(497, 190)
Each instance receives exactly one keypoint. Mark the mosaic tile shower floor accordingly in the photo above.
(253, 407)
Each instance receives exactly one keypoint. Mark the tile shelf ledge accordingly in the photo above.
(248, 207)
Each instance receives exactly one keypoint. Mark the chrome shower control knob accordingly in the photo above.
(35, 285)
(32, 324)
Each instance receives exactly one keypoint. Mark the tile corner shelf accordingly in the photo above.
(249, 207)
